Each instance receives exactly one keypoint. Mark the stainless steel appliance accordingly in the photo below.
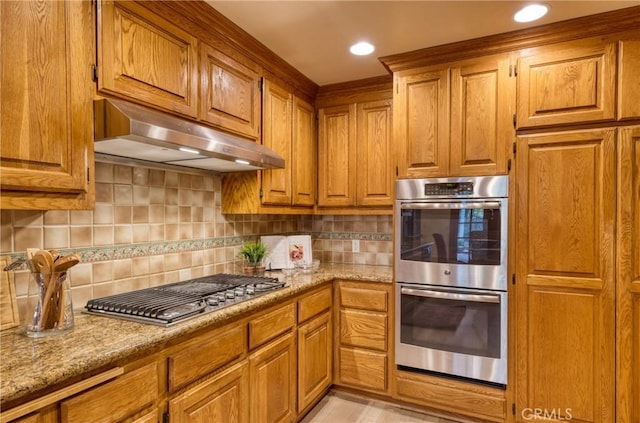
(169, 304)
(451, 276)
(129, 130)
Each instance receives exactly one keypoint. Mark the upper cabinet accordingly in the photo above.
(303, 154)
(337, 155)
(421, 122)
(355, 156)
(146, 58)
(629, 77)
(455, 119)
(374, 170)
(46, 153)
(277, 107)
(567, 83)
(288, 129)
(230, 93)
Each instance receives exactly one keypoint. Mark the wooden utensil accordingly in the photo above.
(64, 263)
(43, 261)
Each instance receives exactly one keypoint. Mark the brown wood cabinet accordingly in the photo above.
(223, 398)
(355, 165)
(145, 58)
(303, 154)
(362, 336)
(272, 378)
(374, 164)
(337, 156)
(46, 154)
(289, 130)
(138, 389)
(205, 353)
(480, 402)
(565, 282)
(567, 83)
(315, 347)
(277, 107)
(229, 93)
(454, 119)
(628, 277)
(628, 80)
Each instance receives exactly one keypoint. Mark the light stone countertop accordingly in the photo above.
(29, 365)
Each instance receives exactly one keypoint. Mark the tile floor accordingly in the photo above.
(340, 407)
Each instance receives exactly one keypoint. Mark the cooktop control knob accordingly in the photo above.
(239, 292)
(212, 301)
(221, 298)
(250, 290)
(230, 295)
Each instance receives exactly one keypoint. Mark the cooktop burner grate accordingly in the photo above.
(169, 304)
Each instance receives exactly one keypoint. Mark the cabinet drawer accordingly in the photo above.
(354, 296)
(363, 369)
(205, 354)
(363, 329)
(272, 324)
(314, 304)
(465, 398)
(115, 400)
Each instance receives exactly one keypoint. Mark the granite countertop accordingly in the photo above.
(28, 365)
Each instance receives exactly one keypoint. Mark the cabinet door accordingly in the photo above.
(303, 154)
(421, 123)
(221, 399)
(629, 81)
(565, 292)
(314, 359)
(229, 93)
(273, 382)
(482, 108)
(276, 135)
(46, 124)
(337, 156)
(374, 154)
(146, 58)
(567, 83)
(628, 277)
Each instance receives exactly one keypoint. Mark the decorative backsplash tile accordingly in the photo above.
(150, 227)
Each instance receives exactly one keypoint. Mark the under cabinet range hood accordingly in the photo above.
(128, 130)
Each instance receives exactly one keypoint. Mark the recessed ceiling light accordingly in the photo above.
(531, 13)
(362, 48)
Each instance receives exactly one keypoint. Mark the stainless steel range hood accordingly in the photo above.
(128, 130)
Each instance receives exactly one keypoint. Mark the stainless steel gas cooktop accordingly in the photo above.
(169, 304)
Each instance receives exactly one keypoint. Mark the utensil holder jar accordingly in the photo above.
(49, 305)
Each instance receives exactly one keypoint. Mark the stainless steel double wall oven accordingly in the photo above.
(451, 276)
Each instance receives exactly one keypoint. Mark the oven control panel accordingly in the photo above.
(448, 189)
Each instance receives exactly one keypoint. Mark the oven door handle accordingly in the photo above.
(495, 299)
(452, 205)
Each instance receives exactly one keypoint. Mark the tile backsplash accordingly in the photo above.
(150, 227)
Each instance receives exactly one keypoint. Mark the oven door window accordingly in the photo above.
(471, 326)
(439, 234)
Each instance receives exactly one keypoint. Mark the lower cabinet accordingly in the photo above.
(477, 401)
(272, 376)
(118, 400)
(269, 367)
(222, 398)
(314, 359)
(362, 351)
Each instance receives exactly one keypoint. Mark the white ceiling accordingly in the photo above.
(314, 35)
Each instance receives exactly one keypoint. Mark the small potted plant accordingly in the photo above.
(252, 252)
